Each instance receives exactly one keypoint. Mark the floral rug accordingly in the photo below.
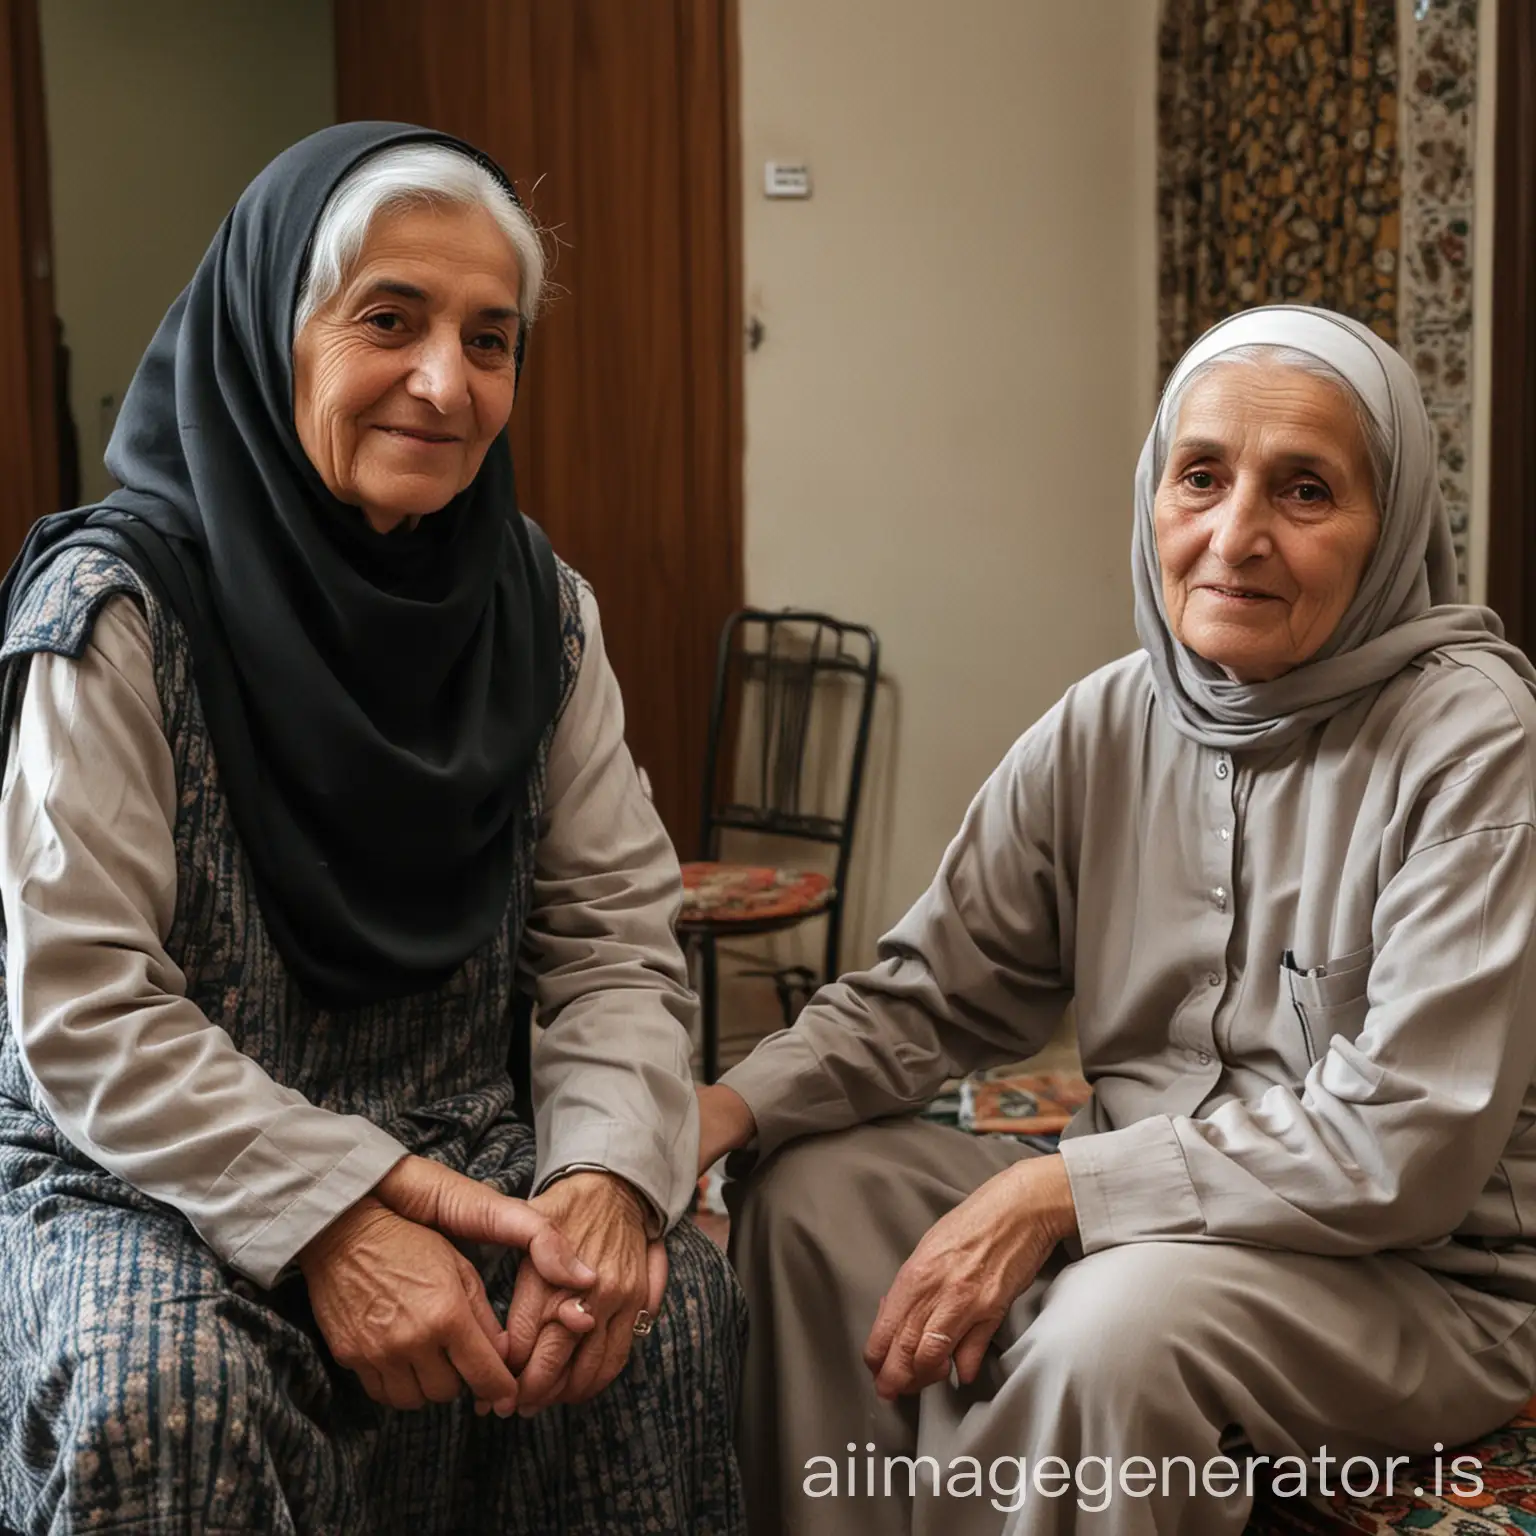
(1504, 1505)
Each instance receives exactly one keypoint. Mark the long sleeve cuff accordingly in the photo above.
(789, 1091)
(636, 1153)
(262, 1234)
(1131, 1185)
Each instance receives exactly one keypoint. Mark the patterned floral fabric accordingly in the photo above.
(746, 893)
(1439, 213)
(144, 1387)
(1278, 168)
(1506, 1505)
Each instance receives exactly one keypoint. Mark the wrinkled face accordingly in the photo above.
(404, 379)
(1265, 516)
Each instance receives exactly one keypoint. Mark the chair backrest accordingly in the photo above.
(800, 666)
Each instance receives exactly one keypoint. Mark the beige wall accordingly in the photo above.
(944, 417)
(158, 115)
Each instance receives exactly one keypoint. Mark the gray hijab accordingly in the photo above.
(1406, 605)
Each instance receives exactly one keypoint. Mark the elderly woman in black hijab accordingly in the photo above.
(315, 759)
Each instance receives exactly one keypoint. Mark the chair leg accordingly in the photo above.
(709, 998)
(796, 985)
(831, 964)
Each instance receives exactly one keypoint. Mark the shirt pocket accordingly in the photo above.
(1330, 999)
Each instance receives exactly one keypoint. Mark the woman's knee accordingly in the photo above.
(823, 1188)
(700, 1276)
(178, 1407)
(151, 1430)
(1139, 1322)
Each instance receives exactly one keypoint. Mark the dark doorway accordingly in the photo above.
(1512, 422)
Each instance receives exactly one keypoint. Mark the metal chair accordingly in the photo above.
(804, 669)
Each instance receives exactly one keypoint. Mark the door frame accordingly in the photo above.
(29, 465)
(1512, 406)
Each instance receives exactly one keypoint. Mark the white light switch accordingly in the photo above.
(785, 179)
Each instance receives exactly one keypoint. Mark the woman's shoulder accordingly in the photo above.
(581, 634)
(1461, 694)
(1487, 678)
(1106, 706)
(580, 619)
(62, 603)
(1125, 680)
(576, 595)
(1110, 698)
(1461, 726)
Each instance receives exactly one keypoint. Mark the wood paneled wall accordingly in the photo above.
(617, 119)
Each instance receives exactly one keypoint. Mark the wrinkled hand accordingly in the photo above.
(425, 1192)
(971, 1266)
(603, 1219)
(399, 1305)
(725, 1123)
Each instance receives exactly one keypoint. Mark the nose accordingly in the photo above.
(1241, 530)
(439, 375)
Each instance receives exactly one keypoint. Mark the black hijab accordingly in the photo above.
(375, 701)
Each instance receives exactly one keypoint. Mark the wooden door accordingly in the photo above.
(29, 454)
(617, 119)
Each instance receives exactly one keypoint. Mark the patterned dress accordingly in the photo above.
(146, 1387)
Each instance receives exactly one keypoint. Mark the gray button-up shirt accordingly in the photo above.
(1304, 979)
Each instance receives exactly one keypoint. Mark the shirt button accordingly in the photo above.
(1223, 833)
(1219, 896)
(1212, 979)
(1203, 1057)
(1221, 769)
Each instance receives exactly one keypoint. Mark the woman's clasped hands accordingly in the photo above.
(404, 1309)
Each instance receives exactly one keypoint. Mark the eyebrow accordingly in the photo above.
(1197, 448)
(411, 291)
(1210, 448)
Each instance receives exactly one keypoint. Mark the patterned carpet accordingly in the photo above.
(1506, 1506)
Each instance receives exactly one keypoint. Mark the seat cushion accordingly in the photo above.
(750, 893)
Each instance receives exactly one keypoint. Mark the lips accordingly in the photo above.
(419, 436)
(1250, 594)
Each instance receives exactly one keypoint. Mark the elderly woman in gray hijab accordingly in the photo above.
(1282, 861)
(316, 766)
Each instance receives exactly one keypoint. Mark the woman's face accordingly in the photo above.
(1265, 517)
(404, 379)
